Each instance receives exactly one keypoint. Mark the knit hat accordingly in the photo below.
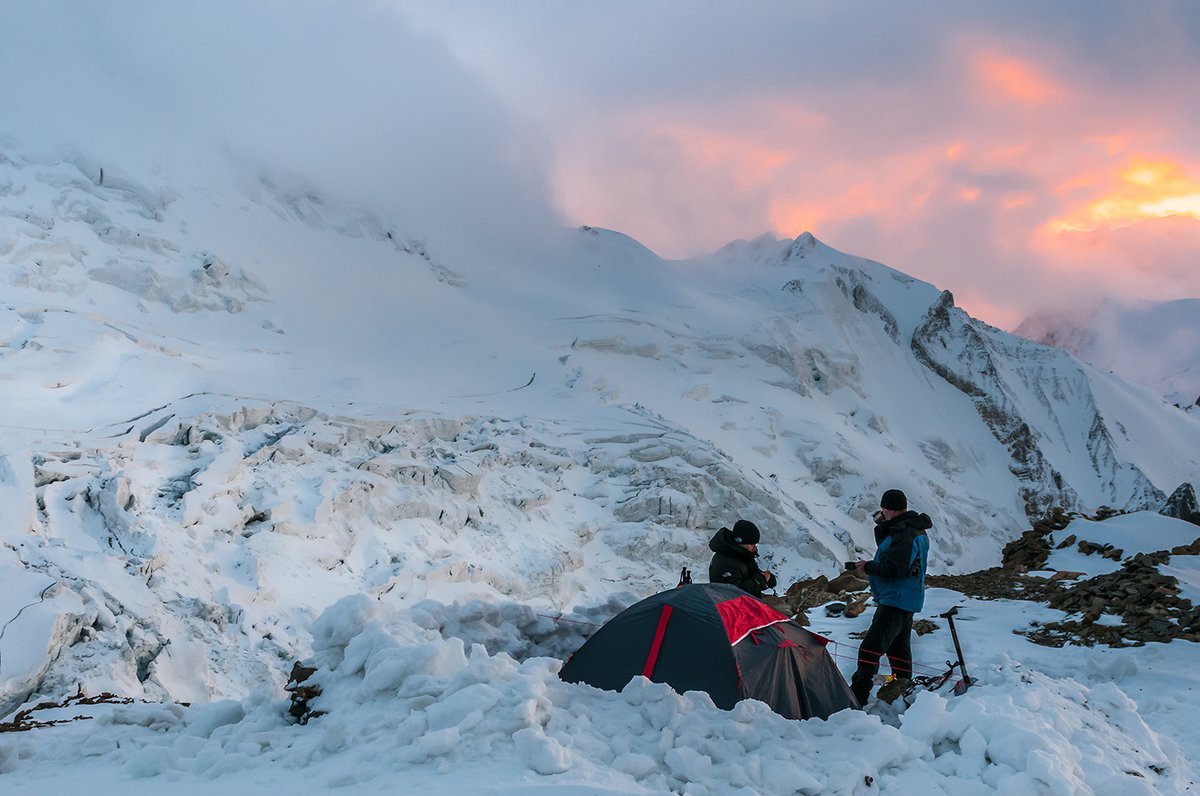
(893, 500)
(745, 532)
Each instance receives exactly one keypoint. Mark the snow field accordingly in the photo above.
(402, 699)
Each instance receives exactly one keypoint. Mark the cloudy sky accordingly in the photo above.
(1017, 153)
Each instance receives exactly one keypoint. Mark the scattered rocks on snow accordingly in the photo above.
(1147, 600)
(845, 589)
(997, 583)
(25, 721)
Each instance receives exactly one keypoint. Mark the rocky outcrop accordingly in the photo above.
(948, 344)
(854, 288)
(1001, 380)
(1182, 504)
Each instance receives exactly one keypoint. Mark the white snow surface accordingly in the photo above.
(1139, 532)
(412, 709)
(246, 423)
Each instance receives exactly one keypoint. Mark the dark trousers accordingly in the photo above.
(890, 634)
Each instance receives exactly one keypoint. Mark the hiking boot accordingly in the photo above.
(896, 687)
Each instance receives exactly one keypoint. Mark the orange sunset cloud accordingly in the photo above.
(1144, 189)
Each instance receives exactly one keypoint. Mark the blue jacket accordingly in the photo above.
(897, 573)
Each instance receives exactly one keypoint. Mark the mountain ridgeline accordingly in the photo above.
(229, 406)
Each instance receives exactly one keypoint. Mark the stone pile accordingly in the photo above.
(1147, 601)
(1104, 550)
(1192, 549)
(1032, 549)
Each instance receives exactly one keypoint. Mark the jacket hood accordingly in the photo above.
(919, 521)
(909, 519)
(722, 542)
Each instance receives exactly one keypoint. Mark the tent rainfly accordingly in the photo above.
(715, 638)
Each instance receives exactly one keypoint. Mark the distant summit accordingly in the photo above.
(1155, 344)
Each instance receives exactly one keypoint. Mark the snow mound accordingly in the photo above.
(401, 700)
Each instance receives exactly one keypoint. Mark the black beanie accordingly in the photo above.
(893, 500)
(745, 532)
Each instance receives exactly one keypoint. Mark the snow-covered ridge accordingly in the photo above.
(68, 226)
(1156, 344)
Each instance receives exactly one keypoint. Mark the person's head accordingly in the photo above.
(893, 504)
(746, 534)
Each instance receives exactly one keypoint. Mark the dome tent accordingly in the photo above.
(718, 639)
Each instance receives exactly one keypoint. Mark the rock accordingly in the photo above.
(856, 607)
(1147, 601)
(1065, 574)
(924, 627)
(997, 583)
(1182, 504)
(1192, 549)
(301, 694)
(1065, 543)
(816, 591)
(835, 609)
(847, 582)
(896, 687)
(1030, 551)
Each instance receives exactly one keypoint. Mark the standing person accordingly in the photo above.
(733, 561)
(897, 576)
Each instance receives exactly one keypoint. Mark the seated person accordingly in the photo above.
(733, 561)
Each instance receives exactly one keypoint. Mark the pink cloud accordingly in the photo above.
(1008, 78)
(967, 200)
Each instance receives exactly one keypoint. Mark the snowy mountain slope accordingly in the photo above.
(1156, 344)
(228, 406)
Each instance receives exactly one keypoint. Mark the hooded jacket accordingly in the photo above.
(732, 563)
(897, 573)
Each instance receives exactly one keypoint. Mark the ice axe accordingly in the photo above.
(962, 685)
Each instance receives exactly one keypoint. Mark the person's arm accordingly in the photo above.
(895, 560)
(744, 577)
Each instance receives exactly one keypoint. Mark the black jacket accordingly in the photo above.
(732, 563)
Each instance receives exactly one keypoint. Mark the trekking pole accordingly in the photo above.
(966, 680)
